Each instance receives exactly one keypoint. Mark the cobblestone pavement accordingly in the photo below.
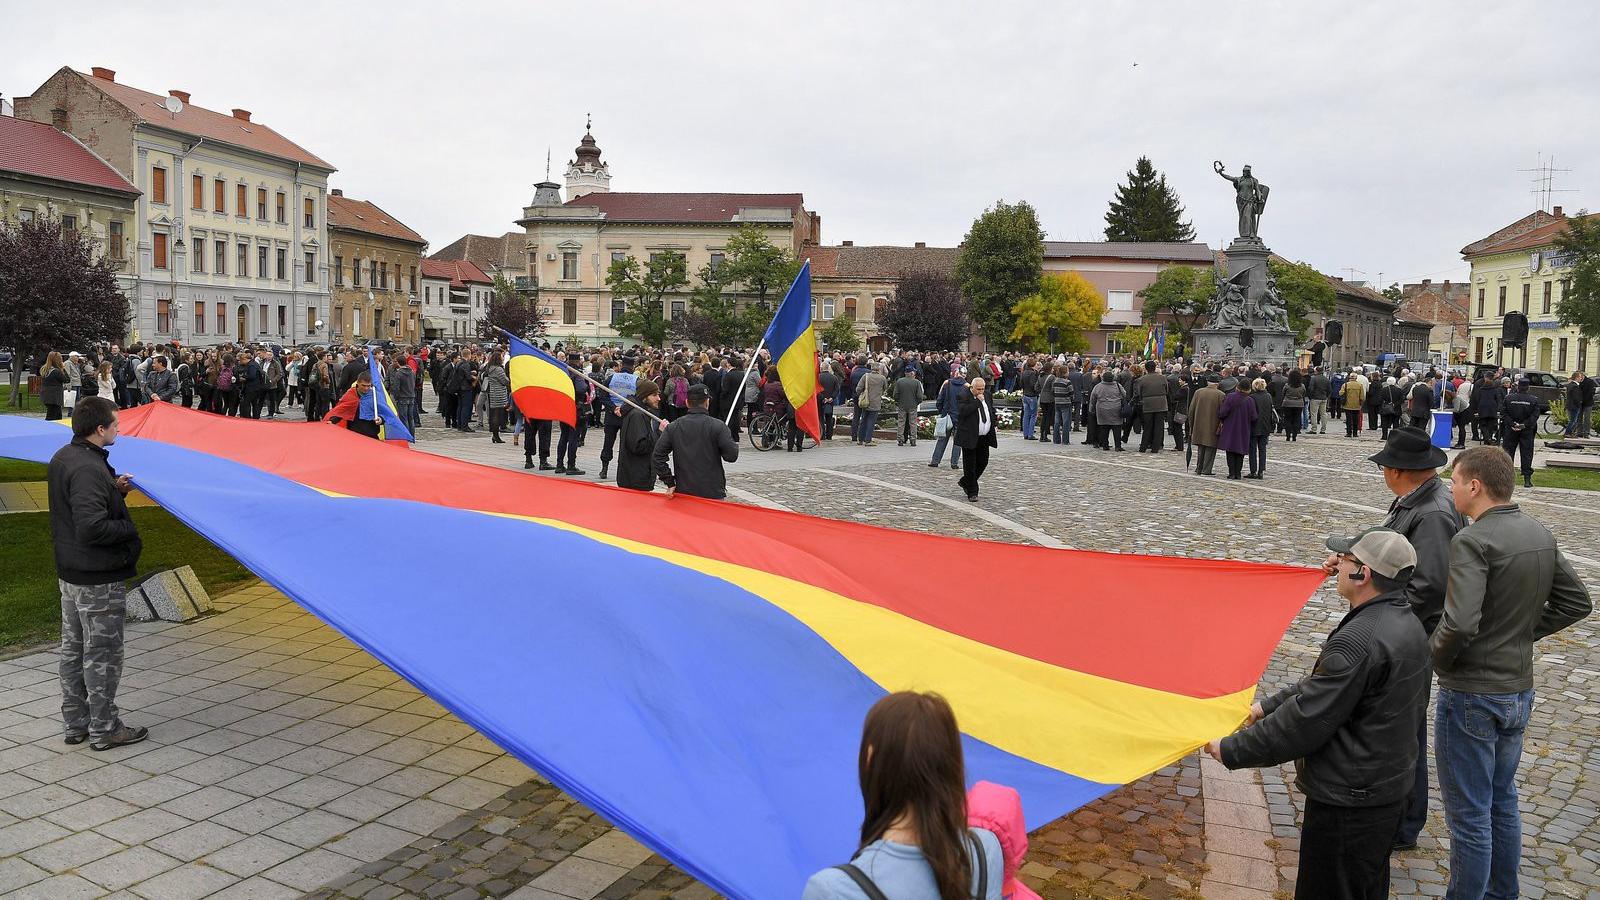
(286, 760)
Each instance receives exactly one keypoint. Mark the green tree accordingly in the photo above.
(761, 269)
(1580, 294)
(926, 312)
(841, 335)
(54, 293)
(1184, 293)
(1066, 301)
(515, 311)
(713, 316)
(644, 288)
(1132, 338)
(1304, 290)
(1000, 264)
(1393, 293)
(1146, 209)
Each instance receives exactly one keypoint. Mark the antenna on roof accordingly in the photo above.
(1544, 178)
(547, 162)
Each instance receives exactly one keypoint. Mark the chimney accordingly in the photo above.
(58, 118)
(847, 243)
(921, 245)
(103, 72)
(1427, 281)
(1556, 212)
(337, 192)
(242, 115)
(181, 95)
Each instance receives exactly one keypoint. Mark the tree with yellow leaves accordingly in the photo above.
(1066, 301)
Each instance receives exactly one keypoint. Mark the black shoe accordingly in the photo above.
(561, 470)
(933, 465)
(528, 464)
(972, 498)
(1402, 846)
(574, 471)
(605, 466)
(122, 737)
(74, 739)
(544, 466)
(1527, 481)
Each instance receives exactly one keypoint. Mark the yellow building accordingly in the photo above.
(1518, 268)
(376, 293)
(46, 173)
(228, 235)
(571, 245)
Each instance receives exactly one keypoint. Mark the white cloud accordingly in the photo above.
(1391, 134)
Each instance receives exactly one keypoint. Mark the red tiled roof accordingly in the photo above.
(459, 271)
(201, 122)
(653, 207)
(365, 216)
(1168, 251)
(1540, 235)
(33, 148)
(877, 262)
(503, 252)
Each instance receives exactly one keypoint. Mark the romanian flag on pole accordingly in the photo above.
(794, 346)
(725, 669)
(540, 385)
(390, 426)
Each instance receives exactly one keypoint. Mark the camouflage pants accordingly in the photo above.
(91, 656)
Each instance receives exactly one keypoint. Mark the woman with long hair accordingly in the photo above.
(53, 382)
(914, 836)
(105, 384)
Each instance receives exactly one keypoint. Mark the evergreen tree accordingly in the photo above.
(1145, 209)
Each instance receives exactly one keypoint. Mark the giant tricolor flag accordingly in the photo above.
(540, 385)
(705, 691)
(794, 345)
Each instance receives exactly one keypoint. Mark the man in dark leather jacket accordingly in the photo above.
(1350, 725)
(1425, 515)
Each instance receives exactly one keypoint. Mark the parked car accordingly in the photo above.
(1547, 386)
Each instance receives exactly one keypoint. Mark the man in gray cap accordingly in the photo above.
(1350, 725)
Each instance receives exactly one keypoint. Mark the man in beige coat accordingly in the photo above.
(1203, 424)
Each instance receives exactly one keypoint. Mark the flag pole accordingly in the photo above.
(755, 355)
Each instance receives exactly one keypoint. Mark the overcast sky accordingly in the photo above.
(1390, 134)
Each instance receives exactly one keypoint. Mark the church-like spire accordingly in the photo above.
(586, 174)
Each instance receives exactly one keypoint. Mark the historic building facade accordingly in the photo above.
(228, 241)
(858, 282)
(571, 245)
(1119, 271)
(46, 173)
(455, 295)
(1368, 318)
(1444, 308)
(1518, 268)
(376, 270)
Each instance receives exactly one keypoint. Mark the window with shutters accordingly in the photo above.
(850, 307)
(242, 261)
(219, 196)
(241, 201)
(311, 267)
(159, 243)
(197, 259)
(197, 192)
(311, 212)
(222, 257)
(261, 262)
(163, 316)
(283, 201)
(158, 184)
(199, 318)
(263, 318)
(114, 233)
(283, 264)
(569, 266)
(569, 311)
(222, 318)
(261, 204)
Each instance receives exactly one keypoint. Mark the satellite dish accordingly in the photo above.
(173, 105)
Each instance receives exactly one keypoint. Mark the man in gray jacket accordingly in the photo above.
(1151, 391)
(869, 400)
(1318, 390)
(907, 394)
(1509, 586)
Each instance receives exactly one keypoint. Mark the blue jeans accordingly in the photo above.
(869, 422)
(955, 449)
(1063, 423)
(1030, 411)
(1477, 744)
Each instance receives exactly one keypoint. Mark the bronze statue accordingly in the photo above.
(1251, 198)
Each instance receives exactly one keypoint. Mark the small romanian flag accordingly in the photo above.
(540, 385)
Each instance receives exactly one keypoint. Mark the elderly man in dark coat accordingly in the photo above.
(1203, 422)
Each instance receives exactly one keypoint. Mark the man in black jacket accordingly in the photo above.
(975, 434)
(1519, 424)
(1349, 725)
(96, 550)
(1425, 515)
(698, 445)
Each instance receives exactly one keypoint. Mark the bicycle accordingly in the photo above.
(768, 431)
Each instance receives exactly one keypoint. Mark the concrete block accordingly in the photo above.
(174, 595)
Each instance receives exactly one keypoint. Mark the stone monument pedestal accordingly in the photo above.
(1276, 347)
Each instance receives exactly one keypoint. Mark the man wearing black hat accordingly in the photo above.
(1347, 725)
(1519, 423)
(1425, 515)
(698, 445)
